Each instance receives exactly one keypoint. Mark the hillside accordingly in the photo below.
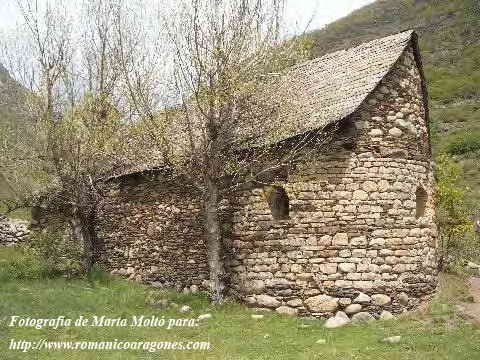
(450, 47)
(10, 95)
(13, 128)
(13, 111)
(6, 121)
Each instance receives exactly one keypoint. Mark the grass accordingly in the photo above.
(232, 332)
(471, 168)
(451, 87)
(19, 214)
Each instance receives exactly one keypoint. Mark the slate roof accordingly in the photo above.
(321, 91)
(331, 87)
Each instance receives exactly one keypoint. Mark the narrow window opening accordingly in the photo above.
(278, 201)
(348, 128)
(347, 133)
(421, 199)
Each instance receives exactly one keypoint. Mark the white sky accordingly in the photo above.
(298, 12)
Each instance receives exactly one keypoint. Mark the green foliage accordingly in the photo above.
(21, 264)
(51, 251)
(472, 12)
(455, 86)
(450, 193)
(457, 239)
(464, 142)
(19, 214)
(447, 83)
(303, 49)
(465, 113)
(471, 167)
(58, 253)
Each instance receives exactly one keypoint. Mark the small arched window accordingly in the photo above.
(421, 197)
(278, 201)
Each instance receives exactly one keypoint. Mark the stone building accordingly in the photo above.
(356, 230)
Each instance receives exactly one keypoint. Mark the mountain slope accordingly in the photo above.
(450, 46)
(13, 129)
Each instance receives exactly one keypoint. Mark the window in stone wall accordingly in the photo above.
(278, 201)
(421, 199)
(347, 133)
(347, 128)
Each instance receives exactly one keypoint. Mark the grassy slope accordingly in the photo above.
(232, 332)
(450, 47)
(12, 127)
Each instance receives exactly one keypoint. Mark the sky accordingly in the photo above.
(321, 12)
(298, 12)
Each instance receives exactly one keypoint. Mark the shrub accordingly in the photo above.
(457, 239)
(464, 143)
(58, 253)
(23, 264)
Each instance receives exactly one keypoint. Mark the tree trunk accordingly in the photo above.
(98, 244)
(214, 243)
(82, 235)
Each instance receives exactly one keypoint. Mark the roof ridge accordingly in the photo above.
(324, 90)
(338, 52)
(329, 88)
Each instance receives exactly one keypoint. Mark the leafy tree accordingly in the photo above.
(75, 102)
(455, 223)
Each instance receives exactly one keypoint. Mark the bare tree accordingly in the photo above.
(216, 121)
(79, 110)
(201, 85)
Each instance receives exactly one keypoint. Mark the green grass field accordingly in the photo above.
(19, 214)
(233, 334)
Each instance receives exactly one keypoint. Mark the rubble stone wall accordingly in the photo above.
(13, 232)
(153, 231)
(353, 227)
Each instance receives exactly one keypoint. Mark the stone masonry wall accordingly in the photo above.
(152, 232)
(353, 240)
(13, 232)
